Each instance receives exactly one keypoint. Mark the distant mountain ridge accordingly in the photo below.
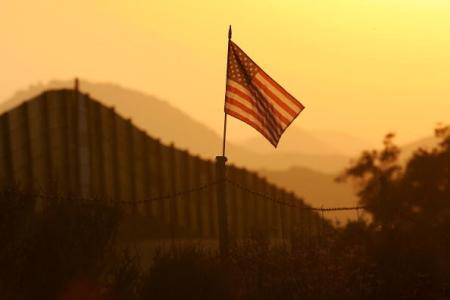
(426, 143)
(318, 189)
(298, 140)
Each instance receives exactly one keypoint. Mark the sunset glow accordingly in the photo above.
(360, 67)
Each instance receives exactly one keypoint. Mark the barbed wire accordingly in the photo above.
(258, 194)
(292, 204)
(97, 200)
(176, 194)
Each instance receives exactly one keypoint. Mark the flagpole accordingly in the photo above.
(225, 114)
(221, 190)
(224, 134)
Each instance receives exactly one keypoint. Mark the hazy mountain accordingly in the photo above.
(424, 143)
(294, 140)
(343, 143)
(330, 164)
(317, 188)
(298, 140)
(170, 124)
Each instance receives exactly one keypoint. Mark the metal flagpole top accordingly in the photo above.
(225, 116)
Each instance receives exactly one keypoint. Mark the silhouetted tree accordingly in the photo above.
(408, 239)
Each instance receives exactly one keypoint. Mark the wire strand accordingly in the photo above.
(300, 206)
(189, 191)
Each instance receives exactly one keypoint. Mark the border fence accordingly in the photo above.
(67, 144)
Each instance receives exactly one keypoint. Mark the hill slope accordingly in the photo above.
(427, 143)
(298, 140)
(318, 189)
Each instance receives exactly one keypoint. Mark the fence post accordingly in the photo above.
(187, 205)
(7, 155)
(115, 155)
(198, 198)
(254, 206)
(294, 219)
(97, 141)
(240, 200)
(221, 204)
(146, 173)
(283, 214)
(211, 202)
(29, 159)
(131, 162)
(245, 198)
(47, 148)
(173, 213)
(276, 218)
(265, 221)
(161, 210)
(233, 210)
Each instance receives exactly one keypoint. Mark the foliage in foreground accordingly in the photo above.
(46, 252)
(70, 251)
(403, 252)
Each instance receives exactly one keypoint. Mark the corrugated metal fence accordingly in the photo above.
(63, 142)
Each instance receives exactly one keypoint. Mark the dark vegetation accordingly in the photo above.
(400, 249)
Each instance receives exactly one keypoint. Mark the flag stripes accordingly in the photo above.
(249, 101)
(242, 110)
(233, 111)
(278, 89)
(256, 99)
(269, 92)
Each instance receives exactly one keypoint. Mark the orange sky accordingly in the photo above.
(361, 67)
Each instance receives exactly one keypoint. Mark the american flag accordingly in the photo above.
(256, 99)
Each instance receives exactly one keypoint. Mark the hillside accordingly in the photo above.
(294, 140)
(299, 140)
(424, 143)
(344, 143)
(318, 188)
